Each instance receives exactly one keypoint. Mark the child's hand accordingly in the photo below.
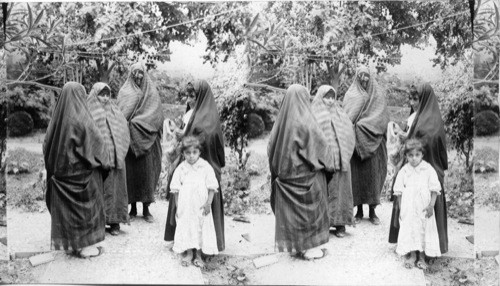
(429, 210)
(206, 209)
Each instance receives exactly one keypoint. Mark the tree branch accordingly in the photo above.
(486, 81)
(58, 89)
(264, 86)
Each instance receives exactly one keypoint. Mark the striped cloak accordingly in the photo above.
(142, 108)
(367, 110)
(338, 129)
(114, 129)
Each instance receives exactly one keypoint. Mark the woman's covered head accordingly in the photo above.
(363, 77)
(191, 95)
(414, 98)
(137, 74)
(329, 98)
(104, 95)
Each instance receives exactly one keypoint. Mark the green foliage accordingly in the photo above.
(233, 114)
(255, 125)
(456, 100)
(34, 101)
(484, 99)
(19, 123)
(486, 123)
(235, 184)
(459, 188)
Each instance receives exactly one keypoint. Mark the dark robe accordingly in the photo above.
(74, 152)
(299, 155)
(205, 124)
(428, 127)
(142, 108)
(367, 110)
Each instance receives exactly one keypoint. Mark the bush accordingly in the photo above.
(235, 184)
(485, 160)
(255, 125)
(36, 102)
(486, 123)
(484, 100)
(459, 190)
(19, 123)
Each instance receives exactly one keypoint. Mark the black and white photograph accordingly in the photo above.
(250, 143)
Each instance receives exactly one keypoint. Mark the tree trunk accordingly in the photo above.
(4, 111)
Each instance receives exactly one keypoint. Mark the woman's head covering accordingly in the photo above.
(336, 126)
(205, 124)
(73, 143)
(111, 123)
(297, 141)
(428, 127)
(367, 110)
(142, 108)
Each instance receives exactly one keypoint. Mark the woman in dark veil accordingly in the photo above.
(75, 155)
(204, 123)
(428, 127)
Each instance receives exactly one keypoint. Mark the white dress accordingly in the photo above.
(194, 230)
(417, 233)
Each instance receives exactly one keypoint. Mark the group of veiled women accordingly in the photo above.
(324, 158)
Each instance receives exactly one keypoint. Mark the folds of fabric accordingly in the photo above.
(205, 123)
(73, 152)
(299, 154)
(77, 212)
(340, 200)
(143, 174)
(428, 126)
(368, 176)
(112, 124)
(367, 109)
(142, 108)
(116, 196)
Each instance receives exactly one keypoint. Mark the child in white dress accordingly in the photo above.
(193, 186)
(418, 184)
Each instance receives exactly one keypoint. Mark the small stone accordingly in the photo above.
(24, 167)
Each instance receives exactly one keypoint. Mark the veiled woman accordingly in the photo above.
(366, 106)
(75, 155)
(299, 156)
(427, 125)
(140, 103)
(114, 129)
(339, 132)
(204, 123)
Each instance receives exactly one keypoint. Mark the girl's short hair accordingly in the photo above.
(190, 141)
(413, 144)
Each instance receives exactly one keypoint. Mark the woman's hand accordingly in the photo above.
(206, 208)
(429, 211)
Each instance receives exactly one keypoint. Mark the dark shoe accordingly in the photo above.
(115, 229)
(340, 231)
(375, 220)
(357, 219)
(149, 218)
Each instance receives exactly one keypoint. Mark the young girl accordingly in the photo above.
(418, 185)
(193, 186)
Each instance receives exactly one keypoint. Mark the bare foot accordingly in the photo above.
(314, 253)
(410, 259)
(422, 265)
(186, 261)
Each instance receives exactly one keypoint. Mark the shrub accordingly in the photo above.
(484, 99)
(36, 102)
(235, 184)
(459, 190)
(19, 123)
(234, 113)
(486, 123)
(255, 125)
(485, 160)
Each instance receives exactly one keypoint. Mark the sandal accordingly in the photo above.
(421, 264)
(99, 248)
(199, 263)
(324, 250)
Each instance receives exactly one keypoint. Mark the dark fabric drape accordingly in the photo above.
(74, 152)
(205, 124)
(142, 108)
(428, 127)
(367, 109)
(299, 155)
